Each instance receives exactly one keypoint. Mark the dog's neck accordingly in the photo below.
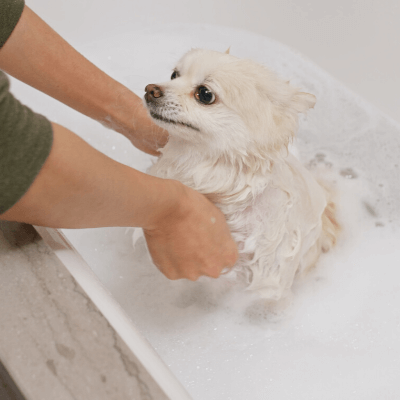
(234, 179)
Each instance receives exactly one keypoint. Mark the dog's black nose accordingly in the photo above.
(153, 92)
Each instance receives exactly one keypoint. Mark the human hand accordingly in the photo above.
(129, 116)
(145, 134)
(70, 78)
(192, 239)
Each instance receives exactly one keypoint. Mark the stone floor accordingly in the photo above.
(54, 342)
(8, 389)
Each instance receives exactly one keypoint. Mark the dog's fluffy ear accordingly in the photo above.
(286, 118)
(301, 101)
(228, 50)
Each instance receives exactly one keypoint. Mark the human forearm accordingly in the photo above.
(79, 187)
(38, 56)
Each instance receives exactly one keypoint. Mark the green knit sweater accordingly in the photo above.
(25, 137)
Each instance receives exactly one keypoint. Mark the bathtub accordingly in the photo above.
(339, 337)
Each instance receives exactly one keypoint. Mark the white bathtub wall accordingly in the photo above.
(354, 40)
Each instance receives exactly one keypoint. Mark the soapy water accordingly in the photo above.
(337, 337)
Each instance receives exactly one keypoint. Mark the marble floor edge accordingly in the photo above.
(54, 341)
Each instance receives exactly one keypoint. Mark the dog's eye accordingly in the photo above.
(204, 95)
(175, 75)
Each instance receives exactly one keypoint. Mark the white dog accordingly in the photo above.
(230, 123)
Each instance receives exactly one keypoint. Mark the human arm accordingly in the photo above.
(35, 54)
(79, 187)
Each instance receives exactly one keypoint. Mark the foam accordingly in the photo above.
(339, 337)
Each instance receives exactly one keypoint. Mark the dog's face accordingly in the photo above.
(233, 107)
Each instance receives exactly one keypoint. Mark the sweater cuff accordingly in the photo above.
(10, 13)
(25, 143)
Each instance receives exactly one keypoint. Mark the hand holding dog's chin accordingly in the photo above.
(129, 117)
(191, 239)
(145, 134)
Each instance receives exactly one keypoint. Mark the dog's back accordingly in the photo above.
(283, 230)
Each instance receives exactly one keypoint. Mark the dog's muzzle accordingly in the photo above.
(153, 93)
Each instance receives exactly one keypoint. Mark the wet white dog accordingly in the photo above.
(230, 123)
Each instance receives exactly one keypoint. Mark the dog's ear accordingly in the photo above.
(227, 51)
(303, 101)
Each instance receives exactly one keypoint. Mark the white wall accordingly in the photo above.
(357, 41)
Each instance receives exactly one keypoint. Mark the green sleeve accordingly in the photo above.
(25, 143)
(10, 12)
(25, 137)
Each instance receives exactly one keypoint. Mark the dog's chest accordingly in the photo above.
(287, 198)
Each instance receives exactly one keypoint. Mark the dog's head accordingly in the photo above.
(232, 106)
